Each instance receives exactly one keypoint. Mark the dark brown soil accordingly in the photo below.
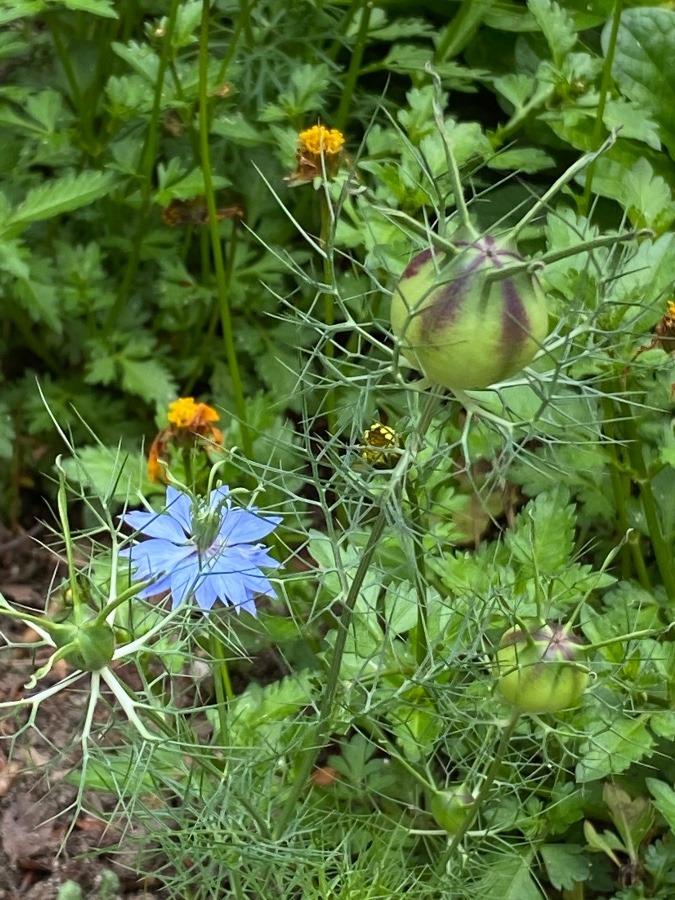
(46, 838)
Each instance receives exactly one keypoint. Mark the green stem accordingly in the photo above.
(62, 504)
(488, 781)
(663, 550)
(418, 532)
(222, 683)
(621, 489)
(333, 677)
(243, 20)
(214, 233)
(329, 300)
(605, 87)
(451, 160)
(145, 171)
(461, 29)
(354, 65)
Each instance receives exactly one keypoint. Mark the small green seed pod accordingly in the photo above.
(462, 329)
(537, 672)
(451, 807)
(91, 648)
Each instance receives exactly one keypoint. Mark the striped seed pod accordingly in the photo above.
(460, 325)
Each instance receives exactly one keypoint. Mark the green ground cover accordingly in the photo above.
(339, 338)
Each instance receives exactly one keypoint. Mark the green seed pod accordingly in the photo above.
(461, 329)
(91, 648)
(537, 671)
(451, 807)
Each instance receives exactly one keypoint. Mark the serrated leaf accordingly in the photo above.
(614, 749)
(556, 26)
(61, 195)
(148, 378)
(633, 818)
(565, 864)
(642, 66)
(523, 159)
(113, 474)
(542, 538)
(664, 800)
(19, 9)
(95, 7)
(508, 878)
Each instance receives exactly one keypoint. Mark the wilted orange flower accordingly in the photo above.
(188, 420)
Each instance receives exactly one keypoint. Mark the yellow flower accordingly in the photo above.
(379, 441)
(318, 139)
(190, 423)
(185, 413)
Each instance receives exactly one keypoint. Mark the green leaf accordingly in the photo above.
(542, 539)
(508, 878)
(95, 7)
(612, 749)
(113, 474)
(148, 378)
(524, 159)
(61, 195)
(6, 431)
(647, 198)
(557, 27)
(633, 818)
(664, 800)
(643, 67)
(19, 9)
(566, 864)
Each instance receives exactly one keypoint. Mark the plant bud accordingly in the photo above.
(461, 329)
(537, 670)
(451, 807)
(91, 647)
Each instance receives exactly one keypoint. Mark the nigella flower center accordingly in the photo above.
(206, 528)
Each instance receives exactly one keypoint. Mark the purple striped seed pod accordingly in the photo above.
(462, 329)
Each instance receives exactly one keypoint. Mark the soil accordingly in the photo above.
(47, 840)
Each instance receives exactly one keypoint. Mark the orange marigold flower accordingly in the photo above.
(318, 139)
(187, 415)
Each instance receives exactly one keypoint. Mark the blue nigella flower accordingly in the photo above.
(205, 550)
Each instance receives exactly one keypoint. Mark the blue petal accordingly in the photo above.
(156, 525)
(239, 526)
(179, 507)
(230, 589)
(184, 582)
(157, 587)
(157, 556)
(206, 593)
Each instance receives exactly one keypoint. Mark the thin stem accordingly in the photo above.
(451, 160)
(621, 488)
(605, 87)
(564, 179)
(214, 233)
(354, 65)
(146, 166)
(243, 24)
(488, 781)
(222, 683)
(461, 29)
(333, 677)
(329, 299)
